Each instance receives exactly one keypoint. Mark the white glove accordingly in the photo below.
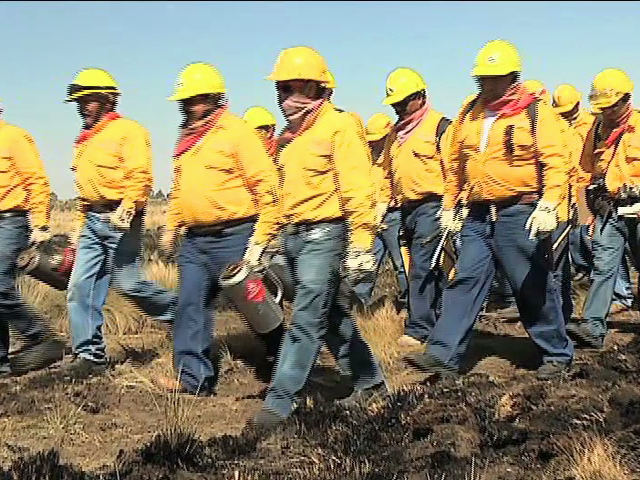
(629, 211)
(360, 264)
(253, 253)
(451, 221)
(39, 235)
(168, 242)
(122, 217)
(543, 221)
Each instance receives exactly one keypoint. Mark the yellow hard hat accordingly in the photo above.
(299, 63)
(258, 117)
(198, 79)
(378, 126)
(537, 87)
(565, 98)
(401, 83)
(608, 87)
(331, 82)
(91, 80)
(497, 57)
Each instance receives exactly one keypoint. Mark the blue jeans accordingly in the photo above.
(507, 242)
(201, 261)
(581, 250)
(387, 241)
(14, 238)
(321, 313)
(609, 241)
(105, 254)
(422, 231)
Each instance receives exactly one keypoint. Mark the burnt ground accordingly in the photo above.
(498, 418)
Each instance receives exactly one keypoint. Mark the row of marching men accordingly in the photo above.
(503, 179)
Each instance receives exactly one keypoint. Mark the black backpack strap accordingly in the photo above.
(443, 124)
(532, 113)
(470, 106)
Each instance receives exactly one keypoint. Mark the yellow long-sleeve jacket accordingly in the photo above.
(415, 168)
(228, 175)
(24, 184)
(619, 164)
(113, 165)
(495, 174)
(326, 176)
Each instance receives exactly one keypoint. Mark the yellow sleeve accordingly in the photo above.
(445, 151)
(261, 177)
(136, 154)
(453, 176)
(552, 156)
(174, 218)
(35, 180)
(384, 162)
(355, 190)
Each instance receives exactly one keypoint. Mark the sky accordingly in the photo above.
(144, 45)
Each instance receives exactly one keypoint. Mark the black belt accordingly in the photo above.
(13, 213)
(294, 228)
(522, 199)
(210, 230)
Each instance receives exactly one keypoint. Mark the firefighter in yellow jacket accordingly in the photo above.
(24, 222)
(508, 154)
(378, 128)
(414, 158)
(264, 123)
(611, 156)
(567, 103)
(327, 207)
(224, 195)
(112, 167)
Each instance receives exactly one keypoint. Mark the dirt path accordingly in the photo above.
(90, 422)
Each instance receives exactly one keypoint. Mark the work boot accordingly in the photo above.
(81, 368)
(37, 355)
(365, 396)
(266, 420)
(582, 332)
(427, 363)
(5, 368)
(550, 370)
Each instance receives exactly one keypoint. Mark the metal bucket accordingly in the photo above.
(247, 291)
(51, 264)
(279, 267)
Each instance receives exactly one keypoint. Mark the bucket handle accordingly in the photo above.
(276, 281)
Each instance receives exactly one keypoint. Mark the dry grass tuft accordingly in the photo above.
(596, 458)
(382, 330)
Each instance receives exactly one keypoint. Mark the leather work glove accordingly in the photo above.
(381, 210)
(167, 242)
(543, 221)
(39, 235)
(451, 221)
(253, 253)
(360, 266)
(122, 217)
(631, 211)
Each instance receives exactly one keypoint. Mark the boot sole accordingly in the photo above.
(37, 357)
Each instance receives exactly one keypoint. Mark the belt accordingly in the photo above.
(13, 213)
(294, 228)
(521, 199)
(104, 207)
(210, 230)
